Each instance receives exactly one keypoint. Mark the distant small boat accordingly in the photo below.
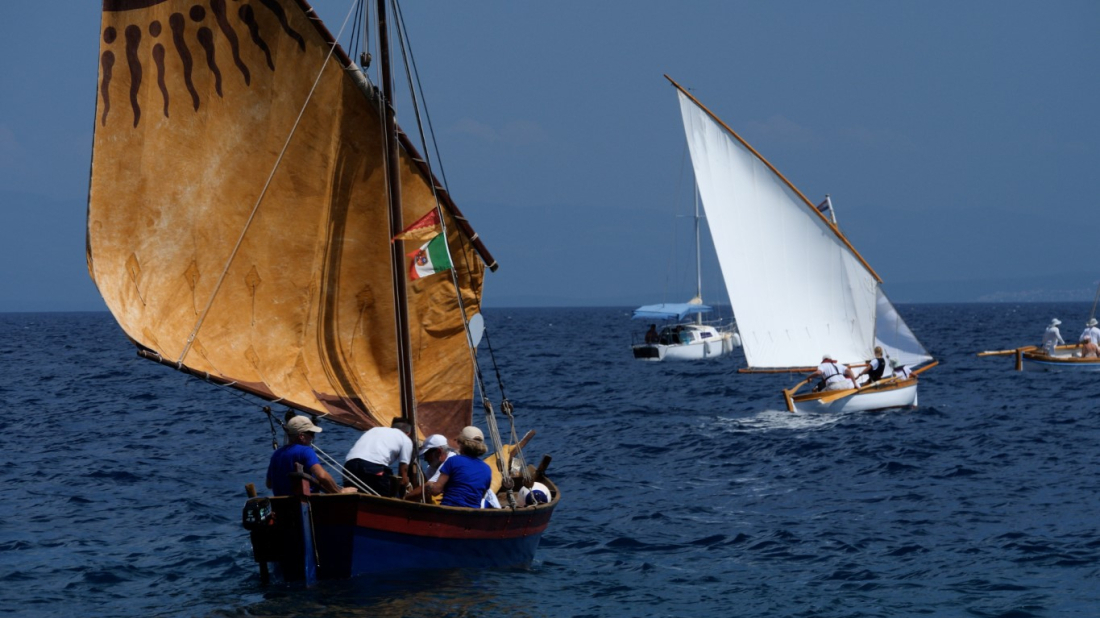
(798, 287)
(1063, 359)
(1060, 358)
(680, 340)
(683, 341)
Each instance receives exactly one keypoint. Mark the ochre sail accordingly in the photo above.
(233, 202)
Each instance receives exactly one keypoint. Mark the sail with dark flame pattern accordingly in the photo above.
(237, 217)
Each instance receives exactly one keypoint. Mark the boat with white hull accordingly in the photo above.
(798, 287)
(881, 395)
(680, 340)
(683, 341)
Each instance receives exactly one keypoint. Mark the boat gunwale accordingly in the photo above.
(882, 386)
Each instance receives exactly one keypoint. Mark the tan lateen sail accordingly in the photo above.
(237, 216)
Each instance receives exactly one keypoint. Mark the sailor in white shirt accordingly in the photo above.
(1091, 332)
(1052, 337)
(835, 376)
(901, 371)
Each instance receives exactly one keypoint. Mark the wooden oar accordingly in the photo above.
(841, 394)
(788, 393)
(854, 391)
(1006, 352)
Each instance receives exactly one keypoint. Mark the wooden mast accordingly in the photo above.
(397, 224)
(789, 184)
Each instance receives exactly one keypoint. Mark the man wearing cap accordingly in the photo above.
(1052, 337)
(1092, 333)
(464, 479)
(371, 458)
(435, 451)
(298, 449)
(834, 376)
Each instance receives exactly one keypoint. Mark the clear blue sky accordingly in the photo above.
(960, 141)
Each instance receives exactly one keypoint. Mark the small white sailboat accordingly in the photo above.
(798, 287)
(679, 340)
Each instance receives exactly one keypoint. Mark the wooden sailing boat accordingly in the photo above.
(247, 184)
(680, 340)
(799, 289)
(1067, 357)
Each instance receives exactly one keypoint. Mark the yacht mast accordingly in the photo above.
(698, 259)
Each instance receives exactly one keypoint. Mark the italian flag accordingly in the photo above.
(431, 258)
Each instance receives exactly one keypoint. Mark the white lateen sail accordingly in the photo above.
(798, 288)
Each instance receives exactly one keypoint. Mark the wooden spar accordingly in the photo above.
(419, 161)
(397, 224)
(784, 370)
(522, 443)
(997, 352)
(926, 367)
(1007, 352)
(789, 369)
(832, 226)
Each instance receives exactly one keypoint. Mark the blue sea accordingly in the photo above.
(687, 489)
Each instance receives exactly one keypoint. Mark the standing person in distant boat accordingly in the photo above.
(1052, 337)
(1089, 349)
(834, 376)
(298, 449)
(651, 335)
(1091, 333)
(876, 367)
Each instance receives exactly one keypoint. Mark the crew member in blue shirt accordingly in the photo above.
(300, 432)
(464, 478)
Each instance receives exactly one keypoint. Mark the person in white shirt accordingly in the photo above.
(1092, 333)
(901, 371)
(1052, 337)
(834, 376)
(371, 458)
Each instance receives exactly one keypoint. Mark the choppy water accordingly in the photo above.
(687, 490)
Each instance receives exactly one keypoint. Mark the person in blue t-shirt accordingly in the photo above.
(464, 478)
(300, 432)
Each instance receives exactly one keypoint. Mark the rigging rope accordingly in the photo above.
(413, 82)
